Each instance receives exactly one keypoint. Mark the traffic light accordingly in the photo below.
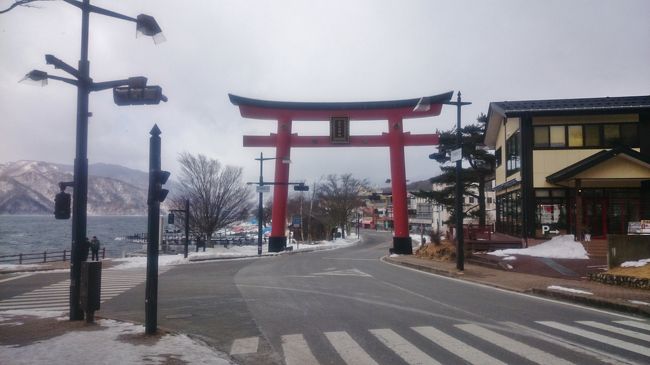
(62, 205)
(170, 218)
(156, 181)
(145, 95)
(301, 187)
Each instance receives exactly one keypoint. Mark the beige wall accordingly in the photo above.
(547, 162)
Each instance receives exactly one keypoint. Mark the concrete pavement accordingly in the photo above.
(548, 283)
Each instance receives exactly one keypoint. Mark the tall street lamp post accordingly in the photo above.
(136, 92)
(460, 248)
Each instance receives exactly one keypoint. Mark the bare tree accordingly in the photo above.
(218, 196)
(25, 3)
(339, 196)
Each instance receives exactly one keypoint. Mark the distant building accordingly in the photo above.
(570, 165)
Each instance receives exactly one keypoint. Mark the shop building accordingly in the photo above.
(570, 165)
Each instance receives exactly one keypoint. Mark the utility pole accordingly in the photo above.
(460, 247)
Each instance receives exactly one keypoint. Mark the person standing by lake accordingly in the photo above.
(94, 246)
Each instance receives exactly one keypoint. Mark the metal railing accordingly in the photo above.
(40, 257)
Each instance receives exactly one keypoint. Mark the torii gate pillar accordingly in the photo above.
(393, 111)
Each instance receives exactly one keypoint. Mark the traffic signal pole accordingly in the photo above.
(156, 195)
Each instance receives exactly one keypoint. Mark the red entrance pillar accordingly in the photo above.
(278, 240)
(401, 238)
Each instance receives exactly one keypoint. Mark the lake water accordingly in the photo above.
(38, 233)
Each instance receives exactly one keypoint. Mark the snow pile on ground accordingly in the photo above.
(111, 342)
(233, 251)
(559, 247)
(19, 267)
(639, 263)
(576, 291)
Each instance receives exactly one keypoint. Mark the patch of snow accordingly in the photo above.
(110, 344)
(639, 263)
(638, 302)
(576, 291)
(509, 258)
(19, 267)
(233, 251)
(394, 255)
(559, 247)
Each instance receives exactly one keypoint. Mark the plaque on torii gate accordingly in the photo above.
(395, 139)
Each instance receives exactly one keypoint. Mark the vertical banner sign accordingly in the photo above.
(340, 130)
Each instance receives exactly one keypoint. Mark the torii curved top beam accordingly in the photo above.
(369, 110)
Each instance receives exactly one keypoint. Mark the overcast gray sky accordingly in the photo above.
(312, 50)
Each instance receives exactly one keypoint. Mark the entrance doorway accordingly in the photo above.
(595, 216)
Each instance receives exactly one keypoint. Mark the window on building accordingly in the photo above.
(558, 137)
(611, 135)
(471, 200)
(575, 136)
(513, 161)
(509, 213)
(630, 134)
(489, 200)
(592, 135)
(541, 136)
(587, 135)
(497, 157)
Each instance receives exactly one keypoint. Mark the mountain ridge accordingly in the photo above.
(29, 187)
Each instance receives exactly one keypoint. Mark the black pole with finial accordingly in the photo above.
(153, 227)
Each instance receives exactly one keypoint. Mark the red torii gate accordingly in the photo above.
(394, 111)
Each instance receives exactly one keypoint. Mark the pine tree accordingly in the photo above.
(481, 165)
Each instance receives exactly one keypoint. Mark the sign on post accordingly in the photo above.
(263, 189)
(456, 155)
(340, 130)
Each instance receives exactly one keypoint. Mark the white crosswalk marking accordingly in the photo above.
(635, 324)
(296, 351)
(246, 345)
(459, 348)
(620, 331)
(349, 349)
(56, 296)
(521, 349)
(598, 337)
(403, 348)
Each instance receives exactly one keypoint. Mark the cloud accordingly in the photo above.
(307, 51)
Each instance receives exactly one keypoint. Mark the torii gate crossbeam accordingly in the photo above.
(396, 139)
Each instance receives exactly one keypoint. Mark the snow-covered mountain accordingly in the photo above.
(29, 187)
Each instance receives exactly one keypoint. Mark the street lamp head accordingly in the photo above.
(35, 77)
(147, 25)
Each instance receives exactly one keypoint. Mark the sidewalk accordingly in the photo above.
(574, 289)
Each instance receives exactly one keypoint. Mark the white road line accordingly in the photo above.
(620, 331)
(15, 277)
(516, 347)
(349, 349)
(457, 347)
(530, 296)
(403, 348)
(19, 302)
(296, 351)
(246, 345)
(635, 324)
(598, 337)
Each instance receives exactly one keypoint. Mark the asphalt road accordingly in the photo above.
(346, 306)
